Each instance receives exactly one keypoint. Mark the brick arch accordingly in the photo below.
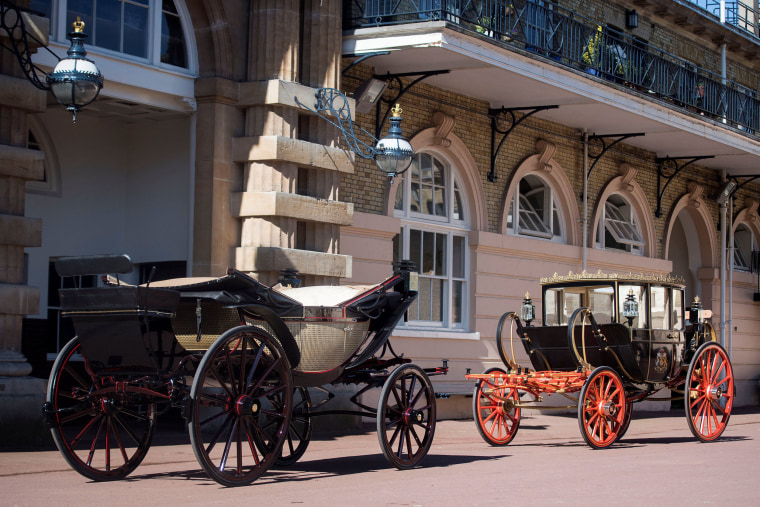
(626, 185)
(543, 165)
(695, 206)
(457, 154)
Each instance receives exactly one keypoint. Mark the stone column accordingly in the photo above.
(289, 209)
(21, 396)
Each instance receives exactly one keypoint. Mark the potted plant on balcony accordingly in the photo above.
(592, 53)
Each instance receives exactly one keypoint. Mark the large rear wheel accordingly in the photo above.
(406, 416)
(495, 410)
(102, 431)
(709, 392)
(602, 408)
(241, 406)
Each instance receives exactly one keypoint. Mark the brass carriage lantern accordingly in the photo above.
(76, 80)
(393, 153)
(630, 308)
(696, 313)
(527, 310)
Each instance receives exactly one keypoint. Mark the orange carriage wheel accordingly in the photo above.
(709, 392)
(495, 410)
(602, 408)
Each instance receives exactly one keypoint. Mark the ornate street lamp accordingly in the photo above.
(75, 82)
(393, 154)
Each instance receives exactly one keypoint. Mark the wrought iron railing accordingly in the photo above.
(554, 32)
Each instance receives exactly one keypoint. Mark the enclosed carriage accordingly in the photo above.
(607, 341)
(237, 357)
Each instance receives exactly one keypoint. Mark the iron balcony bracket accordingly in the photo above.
(668, 168)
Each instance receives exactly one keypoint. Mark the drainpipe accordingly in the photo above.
(723, 266)
(585, 195)
(731, 247)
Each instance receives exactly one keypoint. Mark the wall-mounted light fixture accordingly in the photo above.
(631, 19)
(75, 82)
(393, 154)
(368, 93)
(725, 192)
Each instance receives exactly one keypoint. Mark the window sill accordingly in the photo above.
(435, 333)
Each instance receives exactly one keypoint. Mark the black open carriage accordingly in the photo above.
(608, 341)
(237, 357)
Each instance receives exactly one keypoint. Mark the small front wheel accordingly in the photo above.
(602, 408)
(495, 410)
(406, 416)
(709, 392)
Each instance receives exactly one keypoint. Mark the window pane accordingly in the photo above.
(601, 303)
(551, 299)
(415, 247)
(458, 211)
(456, 301)
(428, 252)
(622, 228)
(437, 300)
(639, 294)
(136, 30)
(440, 203)
(659, 308)
(415, 203)
(399, 205)
(424, 298)
(108, 24)
(457, 257)
(440, 255)
(168, 6)
(438, 175)
(677, 321)
(172, 38)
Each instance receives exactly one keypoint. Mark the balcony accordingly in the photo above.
(554, 32)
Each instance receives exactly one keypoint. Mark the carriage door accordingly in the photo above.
(639, 326)
(664, 337)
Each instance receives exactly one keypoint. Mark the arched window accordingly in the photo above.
(618, 227)
(536, 210)
(744, 245)
(434, 227)
(149, 30)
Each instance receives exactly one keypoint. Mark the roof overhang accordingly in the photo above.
(506, 76)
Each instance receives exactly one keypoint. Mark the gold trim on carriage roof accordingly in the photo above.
(599, 275)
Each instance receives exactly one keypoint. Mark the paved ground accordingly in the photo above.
(548, 463)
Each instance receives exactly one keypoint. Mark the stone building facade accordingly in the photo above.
(198, 157)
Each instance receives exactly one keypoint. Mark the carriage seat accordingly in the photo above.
(325, 295)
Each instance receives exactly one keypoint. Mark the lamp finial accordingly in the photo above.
(78, 25)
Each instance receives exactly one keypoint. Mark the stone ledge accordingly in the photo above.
(276, 92)
(280, 204)
(276, 259)
(19, 300)
(19, 93)
(23, 163)
(20, 231)
(302, 153)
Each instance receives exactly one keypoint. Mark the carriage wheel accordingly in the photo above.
(601, 408)
(494, 409)
(709, 393)
(626, 420)
(299, 431)
(102, 436)
(406, 416)
(241, 405)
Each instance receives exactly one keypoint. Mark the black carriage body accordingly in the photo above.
(124, 330)
(649, 348)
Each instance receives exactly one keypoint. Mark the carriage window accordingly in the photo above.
(660, 308)
(551, 307)
(677, 321)
(573, 301)
(640, 295)
(601, 304)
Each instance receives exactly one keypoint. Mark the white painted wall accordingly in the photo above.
(124, 188)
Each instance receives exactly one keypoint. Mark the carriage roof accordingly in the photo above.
(600, 278)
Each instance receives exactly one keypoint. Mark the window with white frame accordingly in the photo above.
(536, 210)
(148, 30)
(744, 245)
(433, 235)
(618, 227)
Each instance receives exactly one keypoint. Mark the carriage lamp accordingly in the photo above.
(630, 308)
(527, 310)
(393, 153)
(696, 314)
(75, 81)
